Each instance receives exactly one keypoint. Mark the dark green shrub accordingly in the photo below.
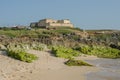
(76, 63)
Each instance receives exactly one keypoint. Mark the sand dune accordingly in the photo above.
(47, 67)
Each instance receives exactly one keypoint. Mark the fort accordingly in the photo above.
(51, 23)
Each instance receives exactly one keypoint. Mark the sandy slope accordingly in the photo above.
(47, 67)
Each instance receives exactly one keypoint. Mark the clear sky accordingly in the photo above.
(86, 14)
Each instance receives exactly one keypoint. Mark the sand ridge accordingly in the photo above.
(47, 67)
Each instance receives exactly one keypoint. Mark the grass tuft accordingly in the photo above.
(72, 62)
(22, 55)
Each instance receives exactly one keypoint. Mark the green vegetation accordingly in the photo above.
(39, 46)
(37, 32)
(76, 63)
(22, 55)
(63, 31)
(69, 38)
(17, 33)
(103, 37)
(18, 51)
(64, 52)
(100, 51)
(27, 46)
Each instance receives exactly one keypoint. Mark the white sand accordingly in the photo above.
(47, 67)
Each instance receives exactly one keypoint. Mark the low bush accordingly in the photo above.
(21, 55)
(64, 52)
(100, 51)
(76, 63)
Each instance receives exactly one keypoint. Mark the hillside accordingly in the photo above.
(59, 36)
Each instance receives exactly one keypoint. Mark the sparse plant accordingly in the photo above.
(72, 62)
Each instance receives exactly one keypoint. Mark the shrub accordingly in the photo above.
(64, 52)
(21, 55)
(100, 51)
(71, 62)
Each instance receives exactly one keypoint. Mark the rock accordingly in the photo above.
(2, 47)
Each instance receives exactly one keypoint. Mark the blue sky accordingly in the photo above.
(86, 14)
